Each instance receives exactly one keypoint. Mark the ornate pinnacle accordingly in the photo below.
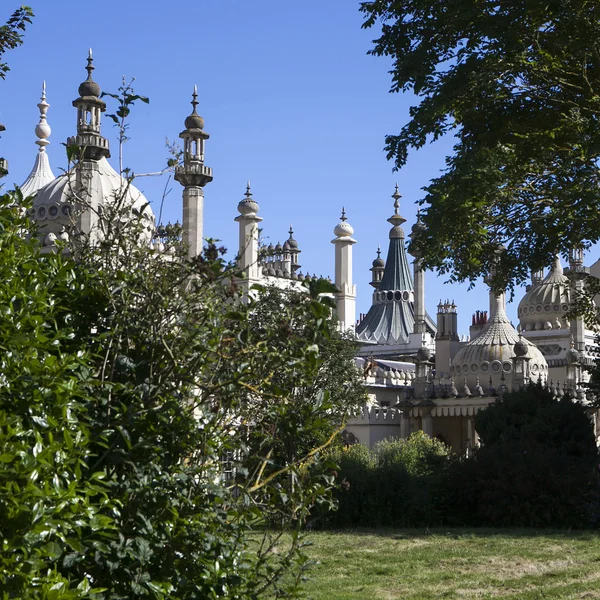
(396, 196)
(194, 101)
(248, 192)
(90, 66)
(343, 217)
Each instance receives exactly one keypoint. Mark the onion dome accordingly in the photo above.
(419, 226)
(247, 206)
(343, 229)
(286, 246)
(491, 352)
(379, 262)
(55, 209)
(278, 248)
(423, 354)
(520, 348)
(194, 121)
(291, 241)
(545, 306)
(89, 88)
(41, 174)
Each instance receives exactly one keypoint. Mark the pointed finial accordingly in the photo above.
(194, 102)
(90, 66)
(248, 192)
(343, 217)
(291, 231)
(378, 251)
(42, 129)
(396, 196)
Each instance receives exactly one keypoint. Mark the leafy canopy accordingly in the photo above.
(518, 86)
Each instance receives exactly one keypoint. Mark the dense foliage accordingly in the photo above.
(518, 85)
(537, 466)
(139, 411)
(396, 484)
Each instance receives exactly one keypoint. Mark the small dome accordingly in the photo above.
(247, 205)
(418, 227)
(278, 248)
(286, 246)
(89, 88)
(520, 348)
(423, 354)
(194, 121)
(343, 229)
(545, 306)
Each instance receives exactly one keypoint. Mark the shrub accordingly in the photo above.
(394, 484)
(536, 466)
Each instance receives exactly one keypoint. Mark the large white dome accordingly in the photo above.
(490, 354)
(81, 199)
(546, 304)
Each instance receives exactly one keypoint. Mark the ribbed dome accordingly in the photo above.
(55, 206)
(492, 351)
(545, 305)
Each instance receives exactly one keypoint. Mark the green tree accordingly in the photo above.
(518, 85)
(536, 466)
(130, 377)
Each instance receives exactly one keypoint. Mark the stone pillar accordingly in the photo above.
(427, 423)
(346, 298)
(193, 219)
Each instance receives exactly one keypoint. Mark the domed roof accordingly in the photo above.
(545, 305)
(55, 205)
(89, 87)
(343, 228)
(492, 351)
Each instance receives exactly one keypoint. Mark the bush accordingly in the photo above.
(535, 468)
(395, 484)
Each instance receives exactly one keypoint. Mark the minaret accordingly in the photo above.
(89, 109)
(577, 275)
(346, 299)
(193, 175)
(377, 270)
(90, 147)
(419, 281)
(41, 174)
(248, 220)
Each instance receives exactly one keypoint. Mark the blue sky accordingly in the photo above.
(289, 96)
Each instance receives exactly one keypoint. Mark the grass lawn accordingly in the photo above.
(452, 563)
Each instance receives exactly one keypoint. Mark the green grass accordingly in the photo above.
(452, 563)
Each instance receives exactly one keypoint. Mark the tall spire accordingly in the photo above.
(193, 175)
(391, 318)
(41, 174)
